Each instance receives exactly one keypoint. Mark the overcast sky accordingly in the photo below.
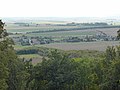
(59, 8)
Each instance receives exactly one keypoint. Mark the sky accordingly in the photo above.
(60, 8)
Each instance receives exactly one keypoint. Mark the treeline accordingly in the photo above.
(29, 51)
(94, 24)
(42, 51)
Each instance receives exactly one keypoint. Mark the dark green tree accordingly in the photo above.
(3, 58)
(55, 73)
(118, 34)
(13, 73)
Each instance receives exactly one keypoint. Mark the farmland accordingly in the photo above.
(58, 33)
(50, 31)
(99, 46)
(109, 31)
(16, 28)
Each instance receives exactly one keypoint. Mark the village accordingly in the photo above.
(24, 40)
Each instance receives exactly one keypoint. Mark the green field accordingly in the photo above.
(108, 31)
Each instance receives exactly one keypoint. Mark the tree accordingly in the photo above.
(10, 66)
(55, 73)
(118, 34)
(110, 54)
(3, 58)
(3, 32)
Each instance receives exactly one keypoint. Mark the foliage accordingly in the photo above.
(118, 34)
(12, 70)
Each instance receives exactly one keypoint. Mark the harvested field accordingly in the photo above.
(110, 31)
(100, 46)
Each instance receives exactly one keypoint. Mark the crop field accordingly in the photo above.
(23, 29)
(63, 33)
(99, 46)
(13, 28)
(108, 31)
